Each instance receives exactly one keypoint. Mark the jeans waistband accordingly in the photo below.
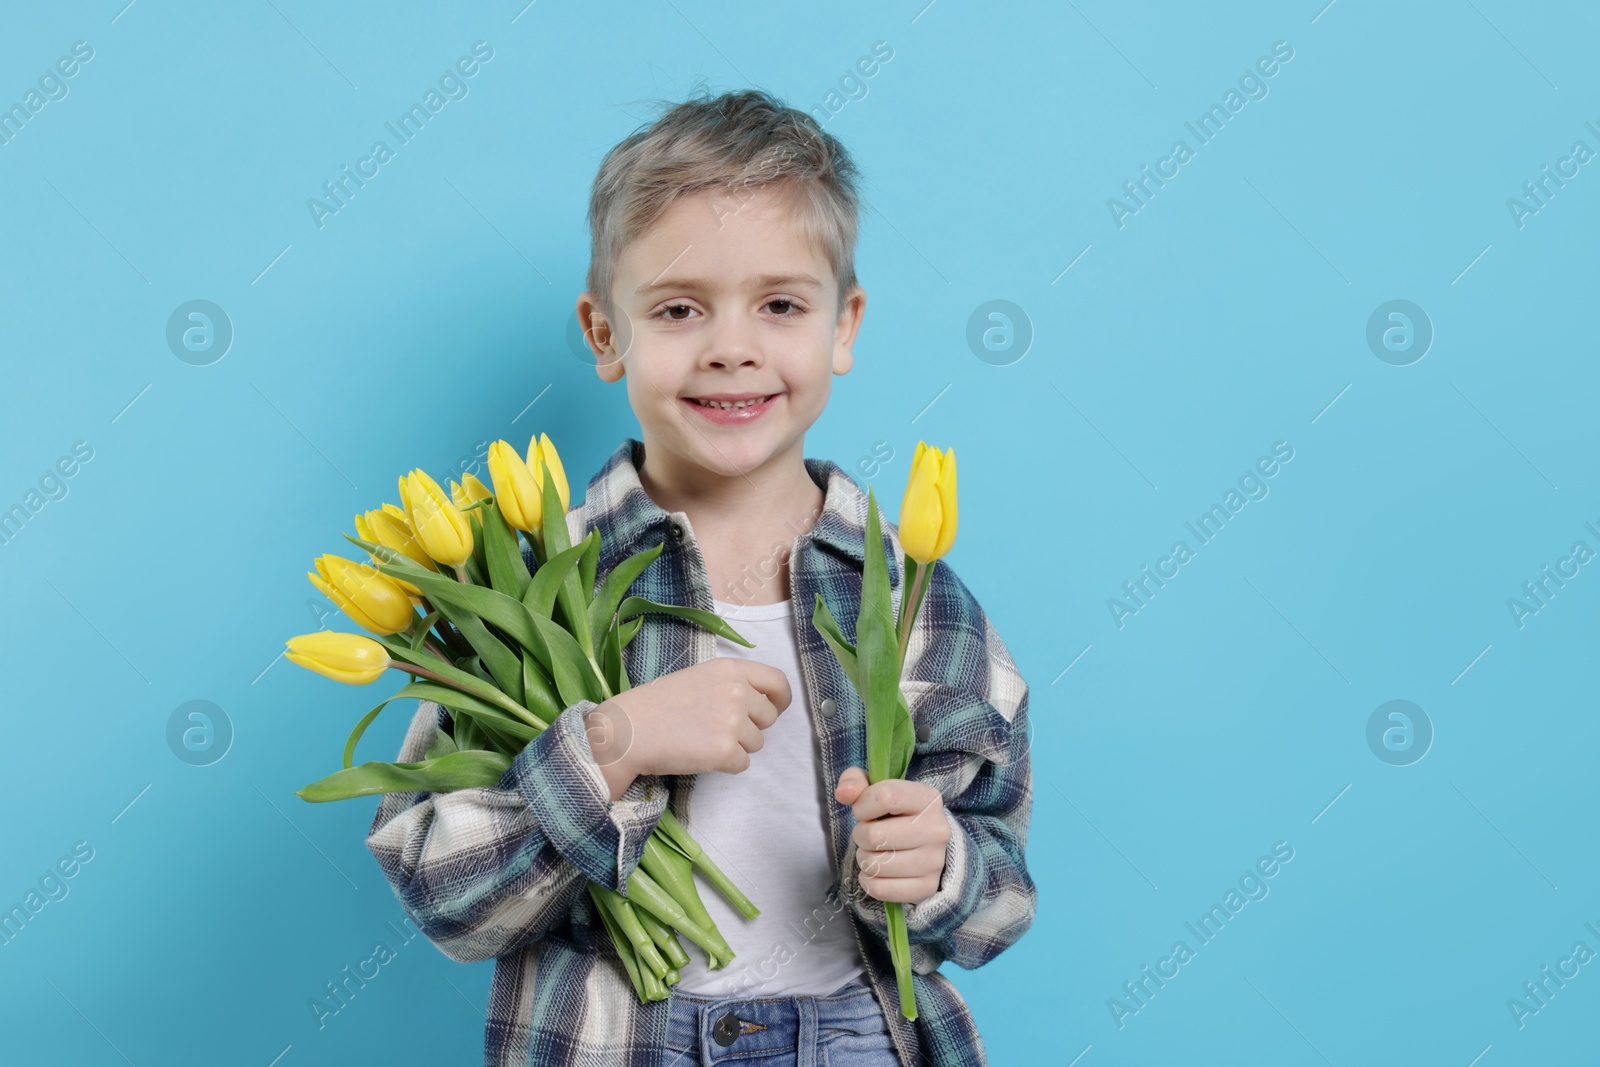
(710, 1029)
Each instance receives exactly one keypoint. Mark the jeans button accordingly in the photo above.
(726, 1029)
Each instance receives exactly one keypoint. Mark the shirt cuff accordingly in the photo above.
(558, 776)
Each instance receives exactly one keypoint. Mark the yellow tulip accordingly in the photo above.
(390, 529)
(387, 527)
(928, 512)
(372, 600)
(540, 448)
(348, 658)
(438, 525)
(515, 490)
(470, 491)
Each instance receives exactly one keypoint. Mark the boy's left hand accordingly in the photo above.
(900, 836)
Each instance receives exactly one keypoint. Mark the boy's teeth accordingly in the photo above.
(731, 404)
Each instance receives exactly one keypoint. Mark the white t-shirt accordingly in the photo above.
(766, 827)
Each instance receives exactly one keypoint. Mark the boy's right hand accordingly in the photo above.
(707, 717)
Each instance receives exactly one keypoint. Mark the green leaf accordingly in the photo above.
(823, 621)
(361, 728)
(443, 744)
(591, 559)
(630, 629)
(574, 674)
(467, 734)
(503, 663)
(553, 518)
(878, 654)
(634, 605)
(454, 676)
(465, 704)
(487, 604)
(421, 634)
(445, 774)
(540, 597)
(542, 698)
(477, 560)
(611, 661)
(573, 600)
(508, 573)
(616, 586)
(903, 740)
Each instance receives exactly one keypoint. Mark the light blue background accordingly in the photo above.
(1229, 313)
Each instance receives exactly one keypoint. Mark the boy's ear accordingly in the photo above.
(844, 334)
(600, 339)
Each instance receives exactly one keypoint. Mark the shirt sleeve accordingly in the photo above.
(486, 870)
(976, 703)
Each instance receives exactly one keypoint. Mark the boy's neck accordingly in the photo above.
(744, 523)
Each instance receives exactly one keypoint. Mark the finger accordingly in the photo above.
(750, 736)
(898, 863)
(895, 796)
(771, 681)
(901, 890)
(899, 833)
(762, 711)
(850, 785)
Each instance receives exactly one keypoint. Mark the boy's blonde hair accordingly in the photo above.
(737, 141)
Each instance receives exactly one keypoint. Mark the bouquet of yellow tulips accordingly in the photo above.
(876, 661)
(452, 603)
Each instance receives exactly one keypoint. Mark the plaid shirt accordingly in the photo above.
(501, 872)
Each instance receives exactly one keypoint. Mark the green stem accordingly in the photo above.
(447, 632)
(646, 893)
(483, 691)
(911, 603)
(900, 951)
(680, 836)
(627, 919)
(666, 941)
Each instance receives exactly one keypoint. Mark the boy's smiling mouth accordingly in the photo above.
(731, 409)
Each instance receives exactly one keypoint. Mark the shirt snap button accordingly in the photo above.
(828, 707)
(924, 731)
(676, 532)
(726, 1029)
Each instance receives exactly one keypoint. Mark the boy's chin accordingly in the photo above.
(731, 455)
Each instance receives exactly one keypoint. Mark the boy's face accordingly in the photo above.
(724, 296)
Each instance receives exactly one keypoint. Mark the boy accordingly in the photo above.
(722, 293)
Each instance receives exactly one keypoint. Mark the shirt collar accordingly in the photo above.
(629, 521)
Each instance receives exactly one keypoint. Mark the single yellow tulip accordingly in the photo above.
(540, 448)
(388, 527)
(348, 658)
(928, 512)
(470, 491)
(515, 490)
(438, 525)
(372, 600)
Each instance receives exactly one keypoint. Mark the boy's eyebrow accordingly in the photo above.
(765, 281)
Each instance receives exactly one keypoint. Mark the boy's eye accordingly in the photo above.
(787, 309)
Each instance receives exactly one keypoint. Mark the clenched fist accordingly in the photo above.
(901, 835)
(707, 717)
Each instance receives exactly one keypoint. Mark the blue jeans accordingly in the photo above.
(847, 1028)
